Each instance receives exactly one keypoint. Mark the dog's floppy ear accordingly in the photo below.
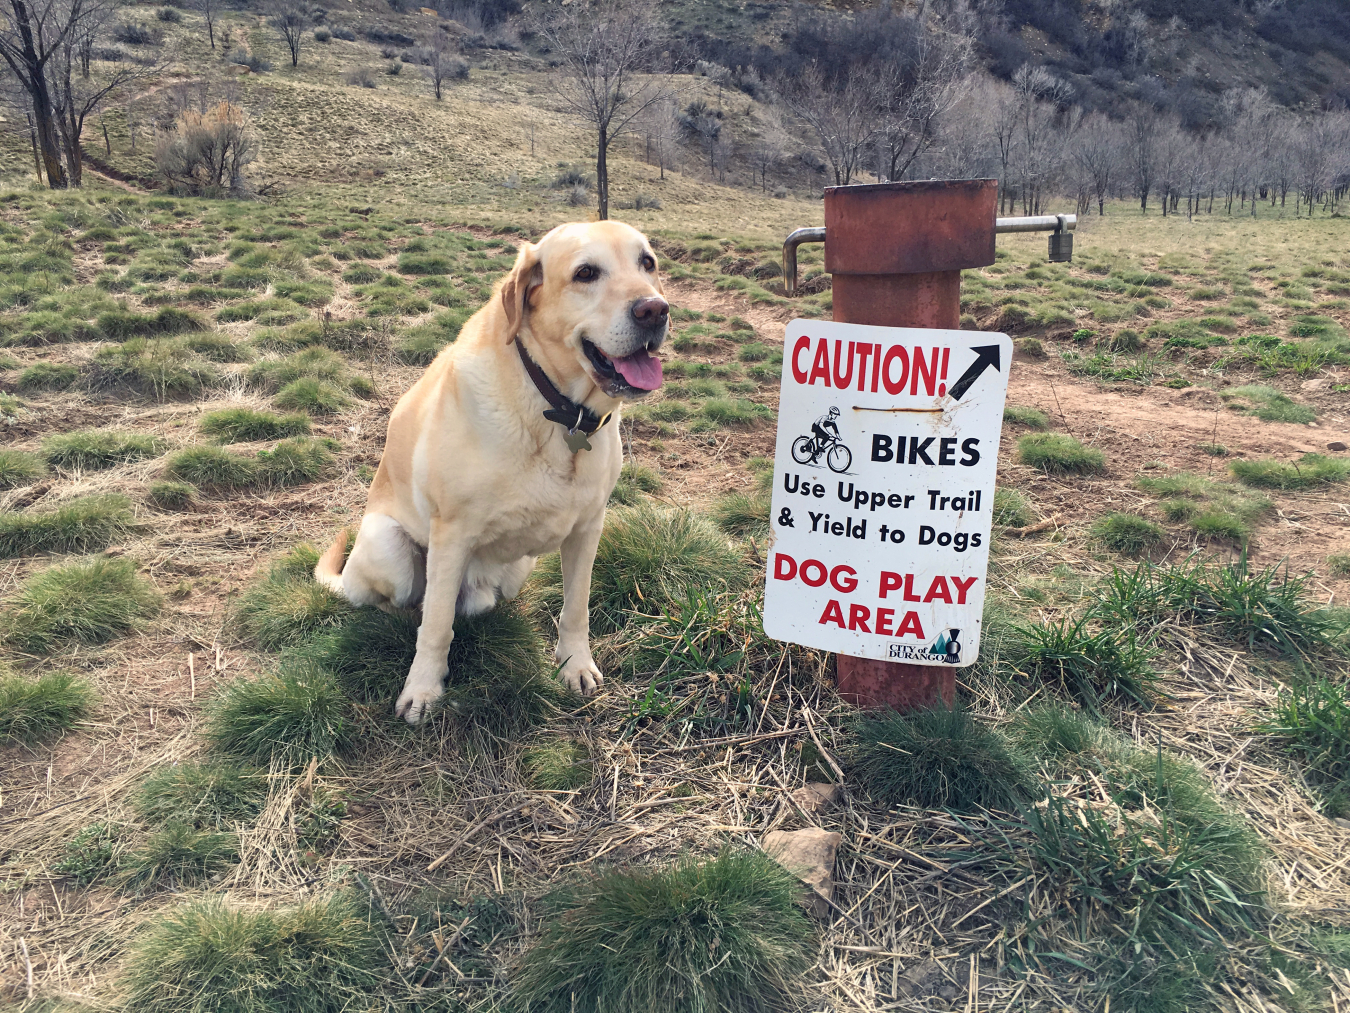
(527, 273)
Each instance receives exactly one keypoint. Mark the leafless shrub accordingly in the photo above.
(359, 77)
(206, 154)
(579, 195)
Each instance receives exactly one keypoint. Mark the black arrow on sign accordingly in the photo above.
(985, 356)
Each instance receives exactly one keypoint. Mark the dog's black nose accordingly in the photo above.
(651, 312)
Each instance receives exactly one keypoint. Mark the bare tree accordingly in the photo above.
(442, 64)
(704, 122)
(837, 109)
(767, 151)
(1096, 156)
(603, 48)
(210, 11)
(291, 20)
(1140, 152)
(31, 36)
(912, 93)
(207, 153)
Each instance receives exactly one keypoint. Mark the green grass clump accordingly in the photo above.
(498, 676)
(96, 449)
(48, 376)
(724, 935)
(1032, 418)
(1265, 608)
(1011, 508)
(323, 956)
(118, 325)
(1055, 731)
(19, 468)
(295, 461)
(316, 362)
(89, 602)
(212, 468)
(159, 366)
(178, 855)
(297, 713)
(1339, 564)
(317, 397)
(634, 480)
(172, 495)
(286, 609)
(1307, 472)
(1090, 662)
(939, 758)
(1213, 449)
(1055, 452)
(244, 425)
(79, 525)
(648, 556)
(34, 709)
(212, 793)
(91, 854)
(743, 514)
(1268, 404)
(1128, 533)
(557, 766)
(1312, 721)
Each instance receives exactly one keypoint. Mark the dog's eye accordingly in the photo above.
(648, 262)
(586, 273)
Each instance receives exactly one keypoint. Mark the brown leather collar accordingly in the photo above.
(567, 413)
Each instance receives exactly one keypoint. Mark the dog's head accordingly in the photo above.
(589, 296)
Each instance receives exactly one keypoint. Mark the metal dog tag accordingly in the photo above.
(576, 440)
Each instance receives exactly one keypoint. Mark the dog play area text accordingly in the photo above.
(884, 490)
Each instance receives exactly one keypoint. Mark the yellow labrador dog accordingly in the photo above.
(508, 447)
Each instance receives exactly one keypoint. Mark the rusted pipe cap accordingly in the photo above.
(910, 228)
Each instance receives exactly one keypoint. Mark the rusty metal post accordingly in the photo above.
(896, 252)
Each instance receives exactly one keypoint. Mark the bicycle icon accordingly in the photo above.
(823, 442)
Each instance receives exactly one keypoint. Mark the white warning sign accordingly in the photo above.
(884, 489)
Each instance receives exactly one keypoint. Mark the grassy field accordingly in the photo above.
(1142, 803)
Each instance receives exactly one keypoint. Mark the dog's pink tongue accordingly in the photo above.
(641, 370)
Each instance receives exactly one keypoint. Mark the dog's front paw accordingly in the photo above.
(420, 693)
(581, 674)
(415, 703)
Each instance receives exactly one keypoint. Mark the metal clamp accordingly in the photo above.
(1060, 226)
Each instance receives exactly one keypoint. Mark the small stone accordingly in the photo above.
(1343, 824)
(808, 855)
(816, 797)
(1337, 445)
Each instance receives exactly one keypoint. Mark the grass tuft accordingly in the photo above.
(1055, 452)
(19, 468)
(1090, 663)
(307, 394)
(213, 794)
(320, 957)
(89, 603)
(211, 468)
(743, 514)
(1032, 418)
(647, 558)
(297, 713)
(1307, 472)
(1053, 730)
(557, 766)
(178, 855)
(725, 935)
(634, 480)
(1128, 533)
(497, 673)
(48, 376)
(939, 758)
(87, 524)
(286, 609)
(94, 449)
(35, 709)
(244, 425)
(1312, 721)
(1011, 508)
(172, 495)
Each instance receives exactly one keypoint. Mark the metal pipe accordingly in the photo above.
(794, 240)
(1037, 223)
(1034, 223)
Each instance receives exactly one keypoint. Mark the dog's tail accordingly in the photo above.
(328, 570)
